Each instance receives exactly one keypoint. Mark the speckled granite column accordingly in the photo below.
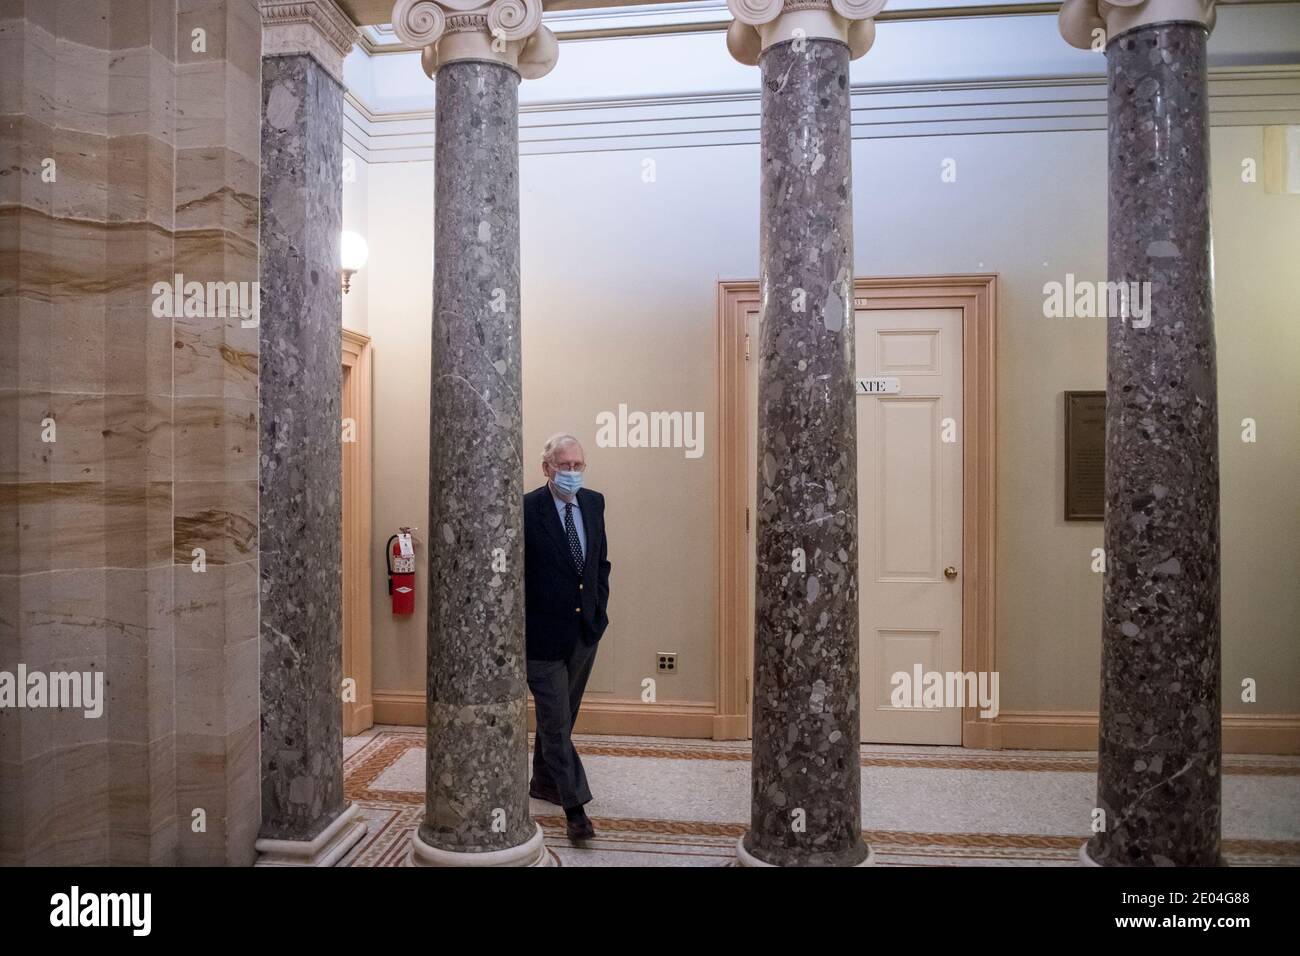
(477, 785)
(1159, 771)
(301, 454)
(806, 786)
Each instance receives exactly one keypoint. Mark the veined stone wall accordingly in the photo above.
(128, 452)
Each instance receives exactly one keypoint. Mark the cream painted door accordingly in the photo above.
(909, 516)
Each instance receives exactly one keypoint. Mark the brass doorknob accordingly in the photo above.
(950, 572)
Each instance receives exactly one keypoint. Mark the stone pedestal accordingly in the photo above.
(476, 810)
(305, 819)
(806, 778)
(326, 848)
(1159, 770)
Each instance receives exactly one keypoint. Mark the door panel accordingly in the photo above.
(899, 651)
(909, 516)
(908, 486)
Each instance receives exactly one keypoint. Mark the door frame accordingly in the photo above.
(356, 404)
(976, 295)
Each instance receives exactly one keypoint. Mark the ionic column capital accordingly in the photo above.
(761, 23)
(1091, 24)
(501, 31)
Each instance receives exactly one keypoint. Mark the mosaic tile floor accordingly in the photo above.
(661, 802)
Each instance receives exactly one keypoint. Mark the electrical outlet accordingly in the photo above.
(667, 661)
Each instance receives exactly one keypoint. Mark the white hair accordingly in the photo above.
(555, 442)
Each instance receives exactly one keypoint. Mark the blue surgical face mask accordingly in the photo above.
(568, 481)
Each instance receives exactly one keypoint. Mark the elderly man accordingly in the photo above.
(566, 591)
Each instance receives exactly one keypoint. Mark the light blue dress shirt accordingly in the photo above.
(577, 518)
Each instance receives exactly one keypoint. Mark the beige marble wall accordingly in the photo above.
(218, 96)
(155, 146)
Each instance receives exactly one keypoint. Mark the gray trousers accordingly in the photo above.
(557, 688)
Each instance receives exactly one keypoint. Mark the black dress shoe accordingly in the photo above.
(543, 793)
(579, 826)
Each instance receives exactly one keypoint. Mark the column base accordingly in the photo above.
(1085, 859)
(325, 849)
(745, 858)
(532, 852)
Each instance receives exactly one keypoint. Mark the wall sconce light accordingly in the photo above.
(353, 253)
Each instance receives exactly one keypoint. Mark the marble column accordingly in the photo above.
(1159, 776)
(305, 818)
(806, 788)
(476, 807)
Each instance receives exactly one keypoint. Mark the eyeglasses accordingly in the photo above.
(569, 465)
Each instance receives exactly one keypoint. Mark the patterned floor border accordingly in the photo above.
(1040, 762)
(393, 814)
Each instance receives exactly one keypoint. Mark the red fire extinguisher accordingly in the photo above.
(401, 571)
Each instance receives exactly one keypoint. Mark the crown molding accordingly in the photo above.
(1239, 96)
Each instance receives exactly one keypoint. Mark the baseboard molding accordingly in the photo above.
(363, 718)
(1042, 730)
(1077, 730)
(634, 717)
(980, 734)
(730, 726)
(613, 716)
(1263, 734)
(400, 707)
(1010, 730)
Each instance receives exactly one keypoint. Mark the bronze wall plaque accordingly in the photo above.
(1085, 456)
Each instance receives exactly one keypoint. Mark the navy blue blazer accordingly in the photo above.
(562, 606)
